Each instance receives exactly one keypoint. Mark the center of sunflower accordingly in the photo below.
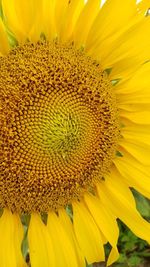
(59, 126)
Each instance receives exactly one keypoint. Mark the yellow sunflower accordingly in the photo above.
(75, 128)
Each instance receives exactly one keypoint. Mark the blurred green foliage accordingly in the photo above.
(133, 250)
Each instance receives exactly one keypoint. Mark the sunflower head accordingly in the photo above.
(60, 125)
(75, 127)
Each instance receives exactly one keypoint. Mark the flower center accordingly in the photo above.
(59, 126)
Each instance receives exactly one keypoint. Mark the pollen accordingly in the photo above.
(59, 126)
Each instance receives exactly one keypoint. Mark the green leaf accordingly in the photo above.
(143, 205)
(122, 258)
(134, 261)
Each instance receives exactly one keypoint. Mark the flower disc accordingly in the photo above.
(59, 126)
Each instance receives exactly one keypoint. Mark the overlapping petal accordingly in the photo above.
(87, 234)
(4, 44)
(40, 244)
(118, 36)
(22, 18)
(11, 236)
(119, 204)
(136, 175)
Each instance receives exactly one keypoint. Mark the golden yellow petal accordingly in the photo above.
(136, 132)
(134, 173)
(40, 244)
(48, 19)
(4, 45)
(11, 236)
(118, 51)
(105, 221)
(125, 55)
(124, 68)
(120, 206)
(68, 226)
(135, 90)
(143, 6)
(113, 256)
(71, 16)
(11, 18)
(60, 13)
(116, 181)
(21, 18)
(133, 107)
(139, 79)
(65, 253)
(106, 25)
(87, 234)
(18, 236)
(138, 150)
(35, 16)
(134, 98)
(139, 117)
(85, 21)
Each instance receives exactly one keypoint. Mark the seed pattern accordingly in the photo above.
(59, 126)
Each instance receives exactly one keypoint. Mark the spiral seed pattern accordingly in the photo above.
(59, 126)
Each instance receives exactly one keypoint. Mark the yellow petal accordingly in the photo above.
(85, 21)
(105, 221)
(11, 235)
(133, 107)
(104, 240)
(10, 16)
(72, 13)
(118, 50)
(40, 244)
(138, 150)
(138, 80)
(124, 68)
(125, 54)
(143, 6)
(4, 45)
(18, 235)
(139, 117)
(87, 234)
(116, 182)
(135, 90)
(140, 97)
(104, 26)
(48, 19)
(60, 13)
(36, 20)
(21, 17)
(134, 173)
(137, 133)
(67, 225)
(119, 204)
(113, 256)
(65, 251)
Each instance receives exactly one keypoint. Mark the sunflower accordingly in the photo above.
(75, 128)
